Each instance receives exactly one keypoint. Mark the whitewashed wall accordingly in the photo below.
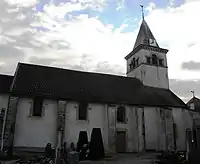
(96, 119)
(130, 127)
(158, 132)
(151, 128)
(140, 120)
(35, 131)
(183, 120)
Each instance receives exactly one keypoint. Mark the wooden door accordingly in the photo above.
(121, 142)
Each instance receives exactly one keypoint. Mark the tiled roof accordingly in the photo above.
(92, 87)
(144, 34)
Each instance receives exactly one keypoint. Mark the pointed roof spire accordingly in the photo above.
(145, 36)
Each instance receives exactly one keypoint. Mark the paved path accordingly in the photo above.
(8, 162)
(147, 158)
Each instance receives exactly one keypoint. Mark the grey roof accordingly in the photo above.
(66, 84)
(144, 34)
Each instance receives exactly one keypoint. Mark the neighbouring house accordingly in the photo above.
(135, 113)
(194, 105)
(193, 135)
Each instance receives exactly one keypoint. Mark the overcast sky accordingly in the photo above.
(96, 35)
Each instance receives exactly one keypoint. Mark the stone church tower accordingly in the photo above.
(147, 61)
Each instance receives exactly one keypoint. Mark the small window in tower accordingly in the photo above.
(148, 60)
(154, 59)
(137, 61)
(121, 114)
(132, 65)
(161, 62)
(146, 41)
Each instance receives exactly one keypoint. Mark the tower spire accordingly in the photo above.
(142, 7)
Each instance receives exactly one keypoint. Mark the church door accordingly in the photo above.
(121, 142)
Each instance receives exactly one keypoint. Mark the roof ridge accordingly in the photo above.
(193, 99)
(157, 88)
(100, 88)
(6, 75)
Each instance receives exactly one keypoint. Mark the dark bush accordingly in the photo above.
(82, 140)
(96, 148)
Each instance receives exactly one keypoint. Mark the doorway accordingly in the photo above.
(121, 142)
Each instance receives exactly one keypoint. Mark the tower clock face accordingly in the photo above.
(152, 42)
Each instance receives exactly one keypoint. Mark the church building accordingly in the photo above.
(135, 113)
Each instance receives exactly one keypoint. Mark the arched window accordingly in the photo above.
(121, 114)
(133, 62)
(154, 59)
(137, 61)
(132, 65)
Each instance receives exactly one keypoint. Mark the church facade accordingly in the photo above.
(135, 113)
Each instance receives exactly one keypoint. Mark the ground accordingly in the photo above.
(145, 158)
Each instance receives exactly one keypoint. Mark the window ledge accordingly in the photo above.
(35, 117)
(83, 121)
(122, 122)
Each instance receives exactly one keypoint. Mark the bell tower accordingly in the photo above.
(147, 61)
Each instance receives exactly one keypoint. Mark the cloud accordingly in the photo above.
(120, 4)
(172, 2)
(56, 36)
(93, 4)
(21, 3)
(105, 67)
(191, 65)
(151, 6)
(10, 52)
(177, 29)
(82, 35)
(41, 60)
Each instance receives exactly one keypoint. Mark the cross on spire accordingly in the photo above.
(142, 7)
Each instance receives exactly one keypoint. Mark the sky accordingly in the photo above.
(96, 35)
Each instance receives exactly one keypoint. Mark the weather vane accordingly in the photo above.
(193, 93)
(142, 11)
